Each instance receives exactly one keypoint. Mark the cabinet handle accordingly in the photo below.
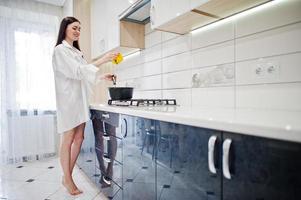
(211, 147)
(126, 128)
(226, 150)
(106, 116)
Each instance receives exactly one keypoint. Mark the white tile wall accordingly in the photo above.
(213, 55)
(215, 66)
(213, 97)
(129, 73)
(180, 79)
(177, 45)
(182, 96)
(284, 96)
(221, 75)
(274, 42)
(285, 12)
(151, 68)
(177, 62)
(151, 94)
(288, 69)
(152, 53)
(212, 35)
(153, 39)
(151, 83)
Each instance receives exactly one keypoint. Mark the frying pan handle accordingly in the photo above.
(114, 79)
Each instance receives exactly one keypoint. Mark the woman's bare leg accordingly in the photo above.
(65, 160)
(76, 145)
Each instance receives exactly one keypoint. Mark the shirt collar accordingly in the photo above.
(66, 44)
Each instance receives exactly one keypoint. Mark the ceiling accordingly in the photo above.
(53, 2)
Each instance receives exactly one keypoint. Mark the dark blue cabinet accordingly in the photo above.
(137, 158)
(262, 169)
(182, 163)
(139, 166)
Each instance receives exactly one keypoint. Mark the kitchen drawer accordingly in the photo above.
(108, 117)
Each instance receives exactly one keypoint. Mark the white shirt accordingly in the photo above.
(73, 80)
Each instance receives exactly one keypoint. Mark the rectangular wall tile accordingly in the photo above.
(212, 34)
(156, 94)
(180, 79)
(270, 96)
(287, 69)
(220, 75)
(213, 97)
(150, 83)
(152, 53)
(213, 55)
(279, 14)
(175, 46)
(151, 68)
(131, 60)
(274, 42)
(177, 62)
(153, 39)
(129, 73)
(182, 96)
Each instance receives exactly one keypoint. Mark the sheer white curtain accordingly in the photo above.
(27, 98)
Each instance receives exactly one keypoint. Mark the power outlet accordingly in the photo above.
(266, 70)
(258, 71)
(272, 69)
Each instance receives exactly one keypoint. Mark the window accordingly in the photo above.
(34, 75)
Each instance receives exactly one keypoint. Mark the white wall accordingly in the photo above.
(33, 6)
(225, 58)
(68, 8)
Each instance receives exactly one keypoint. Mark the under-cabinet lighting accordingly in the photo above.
(288, 127)
(137, 53)
(238, 15)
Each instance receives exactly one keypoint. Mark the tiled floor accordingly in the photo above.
(41, 180)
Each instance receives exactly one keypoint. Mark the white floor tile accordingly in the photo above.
(22, 174)
(46, 182)
(35, 190)
(9, 187)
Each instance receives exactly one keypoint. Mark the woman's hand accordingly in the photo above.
(109, 56)
(108, 77)
(106, 58)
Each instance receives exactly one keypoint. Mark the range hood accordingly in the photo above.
(139, 12)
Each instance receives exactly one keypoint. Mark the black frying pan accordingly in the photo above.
(120, 93)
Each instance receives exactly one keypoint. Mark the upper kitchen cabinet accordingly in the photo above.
(162, 12)
(109, 33)
(183, 16)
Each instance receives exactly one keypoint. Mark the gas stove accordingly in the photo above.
(143, 102)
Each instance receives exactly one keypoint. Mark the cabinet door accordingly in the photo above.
(182, 162)
(139, 167)
(262, 168)
(164, 11)
(99, 27)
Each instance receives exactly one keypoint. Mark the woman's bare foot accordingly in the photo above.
(71, 187)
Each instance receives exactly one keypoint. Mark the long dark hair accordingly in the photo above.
(62, 32)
